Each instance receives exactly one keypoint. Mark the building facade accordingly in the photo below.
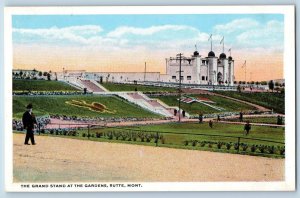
(210, 70)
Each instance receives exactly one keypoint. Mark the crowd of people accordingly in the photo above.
(101, 119)
(41, 123)
(48, 93)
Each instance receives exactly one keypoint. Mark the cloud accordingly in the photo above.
(125, 30)
(266, 35)
(77, 34)
(236, 25)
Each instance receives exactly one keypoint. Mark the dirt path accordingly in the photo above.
(61, 159)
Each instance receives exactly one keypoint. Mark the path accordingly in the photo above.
(56, 159)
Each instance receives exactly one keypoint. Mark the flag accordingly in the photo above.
(222, 41)
(229, 50)
(210, 37)
(196, 47)
(244, 65)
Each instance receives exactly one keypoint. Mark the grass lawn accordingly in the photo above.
(195, 108)
(41, 85)
(174, 135)
(270, 100)
(132, 87)
(44, 105)
(268, 120)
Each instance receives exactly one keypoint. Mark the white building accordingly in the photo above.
(210, 70)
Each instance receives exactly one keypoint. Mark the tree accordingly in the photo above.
(263, 83)
(271, 85)
(234, 82)
(276, 84)
(48, 76)
(40, 74)
(257, 83)
(45, 74)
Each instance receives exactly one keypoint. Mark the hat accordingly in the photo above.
(29, 106)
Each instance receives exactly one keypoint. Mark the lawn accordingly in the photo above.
(195, 108)
(113, 106)
(269, 100)
(132, 87)
(193, 136)
(41, 85)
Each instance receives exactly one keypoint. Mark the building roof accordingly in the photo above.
(211, 54)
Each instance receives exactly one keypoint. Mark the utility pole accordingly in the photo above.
(179, 90)
(145, 72)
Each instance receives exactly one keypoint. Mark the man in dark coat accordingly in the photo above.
(29, 121)
(247, 128)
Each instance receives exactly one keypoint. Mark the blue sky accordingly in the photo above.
(150, 36)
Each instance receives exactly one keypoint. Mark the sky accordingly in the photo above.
(112, 43)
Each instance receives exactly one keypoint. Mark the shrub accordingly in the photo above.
(271, 149)
(134, 136)
(110, 135)
(98, 134)
(220, 144)
(124, 135)
(244, 146)
(281, 150)
(262, 148)
(210, 144)
(202, 144)
(228, 146)
(253, 148)
(236, 146)
(92, 135)
(117, 135)
(148, 137)
(83, 135)
(141, 136)
(185, 142)
(194, 142)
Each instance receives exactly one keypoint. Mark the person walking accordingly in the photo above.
(210, 124)
(183, 113)
(200, 118)
(175, 112)
(241, 117)
(247, 128)
(29, 121)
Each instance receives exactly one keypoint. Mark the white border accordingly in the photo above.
(289, 74)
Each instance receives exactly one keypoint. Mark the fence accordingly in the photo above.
(236, 144)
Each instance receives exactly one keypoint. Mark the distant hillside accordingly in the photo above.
(41, 85)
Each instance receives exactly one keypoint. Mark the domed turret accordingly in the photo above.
(196, 53)
(211, 54)
(230, 58)
(222, 56)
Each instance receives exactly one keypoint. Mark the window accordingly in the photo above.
(203, 77)
(189, 78)
(206, 78)
(181, 77)
(173, 77)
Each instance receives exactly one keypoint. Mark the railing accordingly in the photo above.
(164, 138)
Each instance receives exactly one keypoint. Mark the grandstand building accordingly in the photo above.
(210, 70)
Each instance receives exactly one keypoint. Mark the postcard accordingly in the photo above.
(150, 98)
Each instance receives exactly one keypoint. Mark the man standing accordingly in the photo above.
(247, 128)
(28, 122)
